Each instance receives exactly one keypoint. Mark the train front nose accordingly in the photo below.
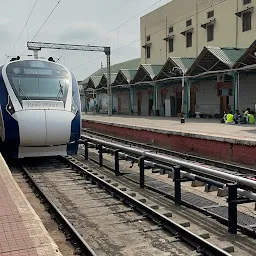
(44, 127)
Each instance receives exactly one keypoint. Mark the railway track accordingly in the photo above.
(235, 169)
(112, 219)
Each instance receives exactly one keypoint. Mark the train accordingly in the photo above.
(40, 109)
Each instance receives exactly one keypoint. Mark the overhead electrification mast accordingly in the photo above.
(37, 46)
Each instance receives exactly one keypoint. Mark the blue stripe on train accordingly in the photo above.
(12, 139)
(76, 122)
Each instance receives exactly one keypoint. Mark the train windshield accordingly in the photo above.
(38, 80)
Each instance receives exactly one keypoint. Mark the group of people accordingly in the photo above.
(246, 118)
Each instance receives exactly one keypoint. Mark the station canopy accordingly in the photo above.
(93, 82)
(125, 76)
(130, 64)
(172, 62)
(104, 80)
(215, 59)
(147, 72)
(248, 58)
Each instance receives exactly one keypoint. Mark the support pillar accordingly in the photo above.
(235, 90)
(109, 86)
(156, 110)
(187, 86)
(131, 101)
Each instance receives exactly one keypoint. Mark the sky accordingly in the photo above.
(74, 22)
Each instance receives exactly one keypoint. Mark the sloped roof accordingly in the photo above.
(183, 63)
(248, 58)
(94, 81)
(130, 64)
(129, 74)
(152, 70)
(214, 59)
(104, 79)
(147, 72)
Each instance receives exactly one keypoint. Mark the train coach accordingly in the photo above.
(40, 113)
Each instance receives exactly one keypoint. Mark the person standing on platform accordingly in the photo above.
(229, 118)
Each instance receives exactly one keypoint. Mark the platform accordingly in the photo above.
(205, 137)
(21, 231)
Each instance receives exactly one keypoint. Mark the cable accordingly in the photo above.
(121, 24)
(82, 64)
(44, 23)
(126, 21)
(25, 23)
(46, 19)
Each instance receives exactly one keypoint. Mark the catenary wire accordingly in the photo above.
(87, 62)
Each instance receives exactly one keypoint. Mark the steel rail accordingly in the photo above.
(172, 161)
(200, 244)
(84, 248)
(215, 163)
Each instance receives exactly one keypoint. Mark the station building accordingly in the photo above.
(190, 53)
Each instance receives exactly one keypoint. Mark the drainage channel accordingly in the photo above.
(111, 219)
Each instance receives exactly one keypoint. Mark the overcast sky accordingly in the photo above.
(75, 22)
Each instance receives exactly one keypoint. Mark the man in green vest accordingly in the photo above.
(251, 118)
(230, 118)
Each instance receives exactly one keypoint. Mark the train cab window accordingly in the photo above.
(38, 82)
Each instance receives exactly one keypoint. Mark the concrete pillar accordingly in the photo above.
(156, 108)
(235, 91)
(187, 86)
(131, 100)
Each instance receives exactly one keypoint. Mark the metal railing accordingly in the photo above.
(197, 172)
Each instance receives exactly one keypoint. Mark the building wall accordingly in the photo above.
(247, 93)
(227, 30)
(123, 97)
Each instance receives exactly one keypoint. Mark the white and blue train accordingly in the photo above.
(40, 112)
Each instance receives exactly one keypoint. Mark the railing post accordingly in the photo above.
(117, 171)
(177, 185)
(142, 172)
(232, 208)
(86, 152)
(100, 155)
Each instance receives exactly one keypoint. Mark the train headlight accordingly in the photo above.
(9, 108)
(74, 108)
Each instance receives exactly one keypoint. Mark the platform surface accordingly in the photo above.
(21, 231)
(210, 129)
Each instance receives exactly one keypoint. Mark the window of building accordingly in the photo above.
(189, 22)
(247, 2)
(210, 33)
(148, 38)
(189, 39)
(210, 14)
(170, 30)
(171, 41)
(148, 52)
(247, 21)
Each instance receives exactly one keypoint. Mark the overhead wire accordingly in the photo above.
(87, 62)
(56, 5)
(25, 23)
(122, 24)
(47, 19)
